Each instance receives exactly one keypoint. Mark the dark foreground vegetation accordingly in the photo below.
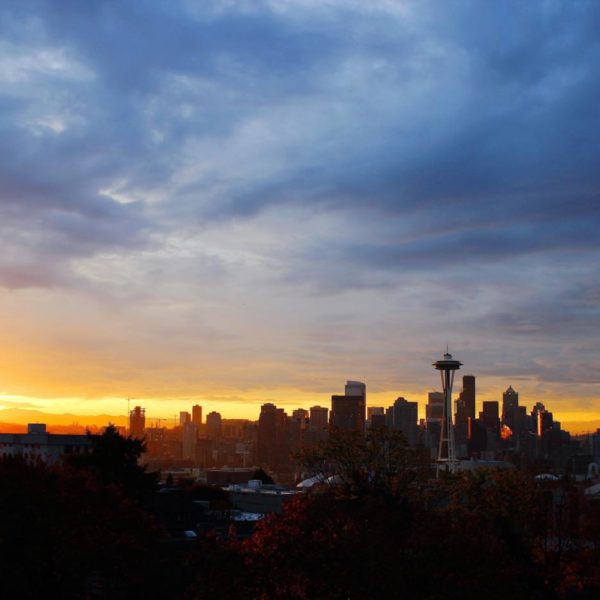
(381, 529)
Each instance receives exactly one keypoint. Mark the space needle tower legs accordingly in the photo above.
(447, 460)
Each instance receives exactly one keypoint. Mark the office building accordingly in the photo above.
(434, 411)
(197, 416)
(213, 425)
(273, 443)
(348, 412)
(318, 419)
(405, 417)
(510, 406)
(188, 440)
(38, 444)
(374, 410)
(465, 405)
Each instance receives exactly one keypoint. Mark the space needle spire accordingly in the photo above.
(447, 450)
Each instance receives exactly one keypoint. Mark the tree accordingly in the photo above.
(263, 476)
(63, 533)
(379, 463)
(114, 460)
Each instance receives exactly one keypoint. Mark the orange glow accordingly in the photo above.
(505, 432)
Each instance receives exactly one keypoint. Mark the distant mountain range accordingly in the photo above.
(13, 417)
(24, 416)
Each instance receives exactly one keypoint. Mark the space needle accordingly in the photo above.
(447, 450)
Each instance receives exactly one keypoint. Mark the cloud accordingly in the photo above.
(425, 170)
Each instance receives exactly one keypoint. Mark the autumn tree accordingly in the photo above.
(115, 460)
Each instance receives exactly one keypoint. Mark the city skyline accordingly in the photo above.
(227, 203)
(250, 413)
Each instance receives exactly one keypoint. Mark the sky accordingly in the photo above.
(232, 202)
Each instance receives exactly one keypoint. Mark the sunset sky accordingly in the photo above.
(232, 202)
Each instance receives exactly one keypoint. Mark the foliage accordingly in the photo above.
(114, 460)
(218, 498)
(64, 534)
(263, 476)
(379, 463)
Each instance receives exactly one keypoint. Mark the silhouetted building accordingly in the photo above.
(356, 388)
(137, 422)
(273, 440)
(405, 419)
(319, 416)
(184, 417)
(465, 403)
(489, 418)
(38, 444)
(510, 409)
(434, 411)
(348, 412)
(318, 425)
(596, 445)
(197, 416)
(490, 415)
(374, 410)
(213, 425)
(541, 418)
(378, 421)
(188, 440)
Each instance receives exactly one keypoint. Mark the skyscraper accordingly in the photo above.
(272, 444)
(318, 418)
(434, 411)
(356, 388)
(348, 411)
(405, 419)
(318, 424)
(213, 425)
(197, 415)
(374, 410)
(510, 406)
(465, 411)
(184, 417)
(489, 416)
(189, 439)
(465, 406)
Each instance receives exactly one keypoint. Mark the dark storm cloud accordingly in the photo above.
(476, 123)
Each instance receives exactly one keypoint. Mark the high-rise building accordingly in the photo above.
(374, 410)
(137, 422)
(184, 417)
(378, 421)
(434, 411)
(465, 406)
(465, 410)
(348, 412)
(405, 417)
(318, 418)
(301, 416)
(490, 415)
(213, 425)
(197, 415)
(318, 425)
(188, 440)
(272, 444)
(541, 418)
(356, 388)
(510, 407)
